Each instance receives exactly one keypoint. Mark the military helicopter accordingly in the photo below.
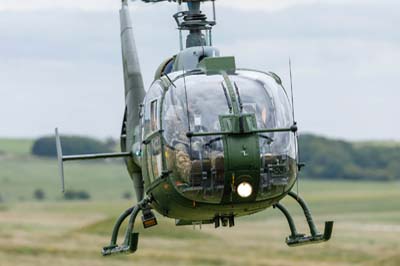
(208, 142)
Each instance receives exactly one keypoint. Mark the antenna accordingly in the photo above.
(295, 123)
(291, 88)
(187, 113)
(186, 99)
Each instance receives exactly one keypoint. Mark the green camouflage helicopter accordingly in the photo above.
(208, 142)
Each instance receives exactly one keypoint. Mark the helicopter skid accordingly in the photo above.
(296, 239)
(130, 244)
(301, 240)
(115, 249)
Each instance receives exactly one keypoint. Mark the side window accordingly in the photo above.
(156, 158)
(154, 115)
(151, 124)
(141, 116)
(151, 117)
(151, 109)
(146, 121)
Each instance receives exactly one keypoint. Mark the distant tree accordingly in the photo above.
(111, 143)
(46, 146)
(83, 195)
(1, 199)
(69, 195)
(76, 195)
(127, 195)
(336, 159)
(39, 194)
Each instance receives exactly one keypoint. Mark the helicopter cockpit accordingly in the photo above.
(195, 103)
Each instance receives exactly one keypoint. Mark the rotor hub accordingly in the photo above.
(193, 21)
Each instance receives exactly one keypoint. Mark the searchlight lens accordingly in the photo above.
(244, 190)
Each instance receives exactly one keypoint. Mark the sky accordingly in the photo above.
(60, 61)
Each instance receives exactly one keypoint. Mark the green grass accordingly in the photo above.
(21, 174)
(15, 146)
(55, 231)
(74, 232)
(102, 180)
(163, 230)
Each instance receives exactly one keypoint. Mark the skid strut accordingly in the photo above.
(296, 239)
(130, 243)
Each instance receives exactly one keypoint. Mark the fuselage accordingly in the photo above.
(206, 143)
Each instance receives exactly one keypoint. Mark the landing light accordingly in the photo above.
(244, 190)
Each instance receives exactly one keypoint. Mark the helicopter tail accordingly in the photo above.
(134, 95)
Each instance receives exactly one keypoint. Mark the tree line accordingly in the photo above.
(324, 158)
(336, 159)
(46, 146)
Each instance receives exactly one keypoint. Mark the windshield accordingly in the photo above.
(197, 165)
(277, 150)
(261, 95)
(198, 107)
(197, 104)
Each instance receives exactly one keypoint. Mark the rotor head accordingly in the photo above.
(175, 1)
(193, 20)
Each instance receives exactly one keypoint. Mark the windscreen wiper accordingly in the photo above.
(227, 97)
(239, 98)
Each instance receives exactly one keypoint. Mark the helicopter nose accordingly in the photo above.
(242, 168)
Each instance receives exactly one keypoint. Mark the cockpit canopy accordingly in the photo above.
(199, 107)
(195, 103)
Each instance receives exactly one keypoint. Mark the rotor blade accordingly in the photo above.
(60, 159)
(176, 1)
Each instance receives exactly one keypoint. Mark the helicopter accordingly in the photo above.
(208, 142)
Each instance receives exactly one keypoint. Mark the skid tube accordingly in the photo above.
(296, 239)
(130, 243)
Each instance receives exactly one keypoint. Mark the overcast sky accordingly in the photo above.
(60, 61)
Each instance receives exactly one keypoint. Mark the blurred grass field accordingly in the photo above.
(55, 231)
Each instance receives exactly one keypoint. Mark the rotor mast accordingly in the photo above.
(194, 21)
(195, 37)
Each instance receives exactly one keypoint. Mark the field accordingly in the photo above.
(59, 232)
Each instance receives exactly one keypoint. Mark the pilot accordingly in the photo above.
(183, 162)
(175, 134)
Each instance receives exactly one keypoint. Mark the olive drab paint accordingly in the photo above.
(204, 129)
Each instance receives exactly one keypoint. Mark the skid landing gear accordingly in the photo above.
(131, 238)
(296, 239)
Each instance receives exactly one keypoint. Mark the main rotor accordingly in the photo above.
(194, 21)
